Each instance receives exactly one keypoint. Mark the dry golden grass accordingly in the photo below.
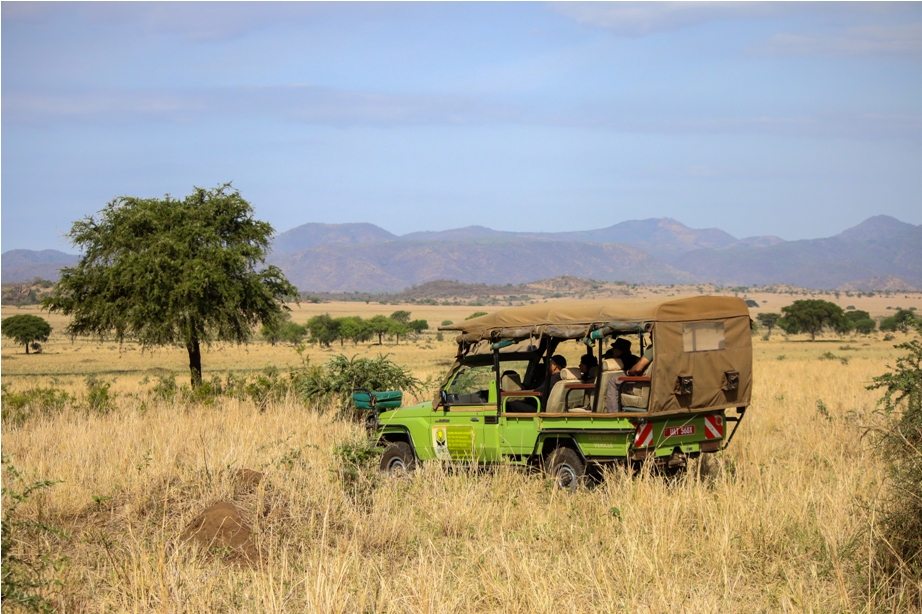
(778, 522)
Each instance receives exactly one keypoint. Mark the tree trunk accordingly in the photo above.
(195, 362)
(27, 347)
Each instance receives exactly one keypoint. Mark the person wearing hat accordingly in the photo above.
(621, 349)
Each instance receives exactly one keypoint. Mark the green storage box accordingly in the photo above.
(367, 399)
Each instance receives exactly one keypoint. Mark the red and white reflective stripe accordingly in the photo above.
(644, 435)
(713, 426)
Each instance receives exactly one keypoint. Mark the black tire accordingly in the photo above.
(398, 459)
(566, 468)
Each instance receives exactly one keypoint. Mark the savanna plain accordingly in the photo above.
(783, 520)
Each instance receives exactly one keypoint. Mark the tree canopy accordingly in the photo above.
(164, 271)
(812, 316)
(901, 320)
(324, 329)
(861, 321)
(768, 320)
(283, 330)
(26, 329)
(401, 316)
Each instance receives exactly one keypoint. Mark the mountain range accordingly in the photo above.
(880, 253)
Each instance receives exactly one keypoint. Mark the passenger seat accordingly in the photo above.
(555, 400)
(511, 382)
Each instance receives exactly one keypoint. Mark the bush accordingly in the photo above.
(25, 560)
(341, 375)
(356, 463)
(901, 321)
(98, 398)
(165, 389)
(476, 314)
(901, 448)
(18, 407)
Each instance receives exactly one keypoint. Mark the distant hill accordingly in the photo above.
(874, 229)
(20, 265)
(309, 235)
(877, 251)
(652, 235)
(877, 254)
(468, 232)
(395, 265)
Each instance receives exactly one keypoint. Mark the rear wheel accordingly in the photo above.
(565, 467)
(398, 459)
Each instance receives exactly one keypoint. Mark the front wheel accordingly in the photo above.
(398, 459)
(565, 467)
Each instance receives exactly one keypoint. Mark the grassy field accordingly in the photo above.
(781, 521)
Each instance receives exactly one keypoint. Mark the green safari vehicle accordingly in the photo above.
(497, 403)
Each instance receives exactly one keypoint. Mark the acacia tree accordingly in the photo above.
(354, 328)
(26, 329)
(324, 329)
(768, 320)
(380, 325)
(167, 271)
(861, 321)
(812, 316)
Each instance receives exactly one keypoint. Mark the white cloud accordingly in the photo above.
(193, 21)
(326, 106)
(904, 40)
(298, 103)
(642, 18)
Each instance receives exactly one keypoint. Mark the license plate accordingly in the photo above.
(680, 431)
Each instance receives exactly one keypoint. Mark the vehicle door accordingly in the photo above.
(458, 432)
(520, 413)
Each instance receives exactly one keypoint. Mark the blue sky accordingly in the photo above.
(789, 119)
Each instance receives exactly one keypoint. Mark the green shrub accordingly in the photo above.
(340, 376)
(356, 457)
(476, 314)
(18, 407)
(165, 389)
(98, 399)
(901, 449)
(26, 562)
(901, 321)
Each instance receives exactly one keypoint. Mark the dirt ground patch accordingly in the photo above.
(223, 527)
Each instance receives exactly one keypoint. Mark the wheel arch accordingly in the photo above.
(548, 443)
(395, 434)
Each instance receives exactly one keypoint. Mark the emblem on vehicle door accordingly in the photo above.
(440, 443)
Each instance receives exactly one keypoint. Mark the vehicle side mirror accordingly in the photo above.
(445, 405)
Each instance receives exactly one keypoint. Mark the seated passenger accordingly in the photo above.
(588, 367)
(558, 363)
(643, 362)
(613, 394)
(621, 349)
